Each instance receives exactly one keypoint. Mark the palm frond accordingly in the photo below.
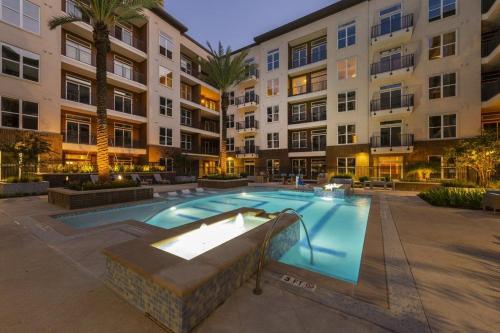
(56, 21)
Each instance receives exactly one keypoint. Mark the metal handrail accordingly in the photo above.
(267, 239)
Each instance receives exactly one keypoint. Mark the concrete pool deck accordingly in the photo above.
(51, 282)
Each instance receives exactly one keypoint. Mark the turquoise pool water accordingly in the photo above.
(336, 226)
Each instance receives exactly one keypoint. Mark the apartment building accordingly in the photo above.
(364, 87)
(158, 103)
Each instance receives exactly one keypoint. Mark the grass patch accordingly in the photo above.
(454, 197)
(89, 186)
(459, 184)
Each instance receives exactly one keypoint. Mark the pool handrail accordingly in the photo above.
(258, 289)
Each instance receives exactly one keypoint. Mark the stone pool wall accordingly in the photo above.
(181, 314)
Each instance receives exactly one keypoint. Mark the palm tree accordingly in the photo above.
(103, 15)
(224, 70)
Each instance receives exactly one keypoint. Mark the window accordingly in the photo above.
(318, 50)
(77, 130)
(231, 98)
(273, 113)
(439, 9)
(230, 121)
(273, 167)
(273, 140)
(346, 35)
(273, 60)
(443, 126)
(230, 144)
(168, 163)
(299, 56)
(78, 49)
(318, 81)
(123, 68)
(20, 63)
(299, 140)
(186, 65)
(124, 34)
(78, 90)
(318, 111)
(492, 128)
(346, 165)
(165, 136)
(299, 166)
(123, 135)
(346, 101)
(230, 166)
(186, 91)
(22, 14)
(346, 68)
(166, 46)
(186, 117)
(346, 134)
(165, 106)
(186, 141)
(442, 46)
(123, 101)
(299, 85)
(19, 114)
(165, 76)
(443, 85)
(318, 140)
(273, 87)
(299, 112)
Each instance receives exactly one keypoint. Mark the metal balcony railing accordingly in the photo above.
(392, 103)
(247, 125)
(250, 73)
(393, 25)
(393, 64)
(312, 58)
(308, 88)
(81, 139)
(132, 41)
(247, 150)
(489, 42)
(204, 125)
(486, 5)
(386, 141)
(490, 88)
(242, 100)
(129, 74)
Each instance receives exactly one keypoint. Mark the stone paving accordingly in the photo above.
(50, 283)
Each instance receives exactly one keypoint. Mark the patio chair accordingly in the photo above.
(186, 192)
(491, 200)
(135, 177)
(159, 180)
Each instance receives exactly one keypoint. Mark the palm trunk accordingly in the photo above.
(101, 40)
(223, 133)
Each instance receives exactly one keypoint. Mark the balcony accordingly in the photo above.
(125, 78)
(395, 144)
(388, 106)
(203, 151)
(78, 61)
(130, 46)
(247, 102)
(312, 90)
(308, 57)
(395, 67)
(309, 120)
(490, 49)
(89, 144)
(192, 77)
(206, 128)
(392, 32)
(491, 11)
(247, 152)
(247, 126)
(491, 92)
(251, 77)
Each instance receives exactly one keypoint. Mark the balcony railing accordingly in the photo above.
(386, 141)
(81, 55)
(202, 150)
(132, 41)
(392, 103)
(489, 42)
(135, 144)
(205, 125)
(242, 100)
(309, 117)
(486, 5)
(91, 140)
(308, 88)
(393, 64)
(129, 74)
(490, 88)
(251, 72)
(247, 150)
(310, 59)
(247, 125)
(404, 22)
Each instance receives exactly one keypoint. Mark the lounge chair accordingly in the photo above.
(491, 200)
(135, 177)
(202, 190)
(186, 193)
(158, 180)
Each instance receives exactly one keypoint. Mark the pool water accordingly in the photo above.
(336, 226)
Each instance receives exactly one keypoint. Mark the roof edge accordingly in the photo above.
(162, 13)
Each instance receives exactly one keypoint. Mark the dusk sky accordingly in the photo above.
(236, 22)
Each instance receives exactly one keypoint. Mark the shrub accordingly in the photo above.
(459, 184)
(24, 179)
(343, 176)
(364, 179)
(89, 186)
(222, 177)
(454, 197)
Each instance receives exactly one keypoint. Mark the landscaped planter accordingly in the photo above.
(7, 189)
(414, 186)
(222, 183)
(71, 199)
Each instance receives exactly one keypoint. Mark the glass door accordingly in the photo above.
(250, 145)
(390, 134)
(299, 56)
(390, 19)
(249, 95)
(390, 60)
(249, 120)
(390, 97)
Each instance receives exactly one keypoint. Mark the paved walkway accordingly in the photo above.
(50, 284)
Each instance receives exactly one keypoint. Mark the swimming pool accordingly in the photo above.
(336, 226)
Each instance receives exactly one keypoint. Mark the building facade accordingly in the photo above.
(362, 87)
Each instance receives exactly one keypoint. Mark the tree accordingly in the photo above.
(224, 70)
(481, 154)
(26, 150)
(103, 15)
